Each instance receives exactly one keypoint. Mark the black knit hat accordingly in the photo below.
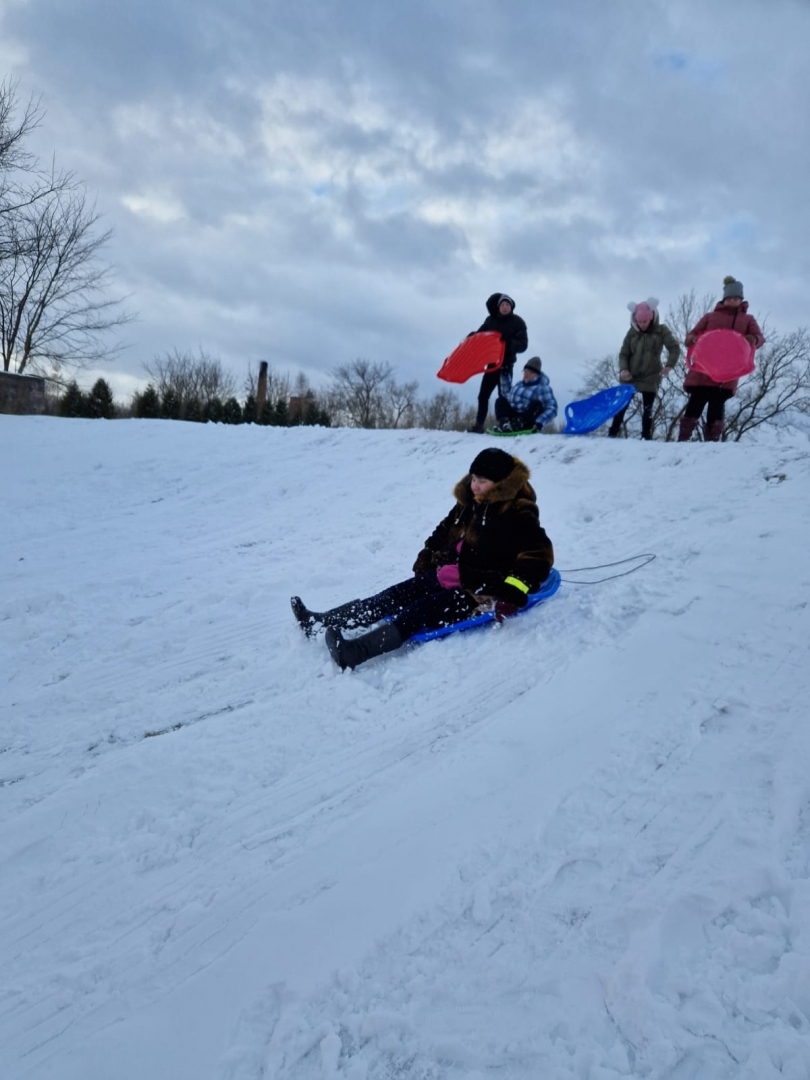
(492, 464)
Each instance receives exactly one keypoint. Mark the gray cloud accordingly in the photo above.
(309, 184)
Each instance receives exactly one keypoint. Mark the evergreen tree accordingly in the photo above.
(281, 414)
(268, 415)
(170, 405)
(232, 412)
(213, 410)
(100, 402)
(147, 404)
(193, 411)
(249, 413)
(73, 401)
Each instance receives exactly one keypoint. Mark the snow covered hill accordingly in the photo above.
(575, 846)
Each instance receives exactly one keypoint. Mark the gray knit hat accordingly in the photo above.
(731, 288)
(534, 364)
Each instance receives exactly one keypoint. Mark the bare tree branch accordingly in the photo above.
(55, 306)
(356, 395)
(189, 377)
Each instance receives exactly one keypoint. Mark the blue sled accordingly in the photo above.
(590, 413)
(547, 589)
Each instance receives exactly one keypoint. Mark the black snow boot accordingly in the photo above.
(312, 621)
(349, 652)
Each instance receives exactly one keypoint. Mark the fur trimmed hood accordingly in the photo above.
(515, 488)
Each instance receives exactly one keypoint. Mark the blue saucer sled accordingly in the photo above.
(546, 590)
(582, 417)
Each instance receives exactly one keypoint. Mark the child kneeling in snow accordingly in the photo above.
(528, 405)
(489, 552)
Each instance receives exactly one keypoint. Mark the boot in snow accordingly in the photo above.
(313, 621)
(646, 426)
(348, 653)
(714, 432)
(686, 427)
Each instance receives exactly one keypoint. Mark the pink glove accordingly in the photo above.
(447, 576)
(625, 376)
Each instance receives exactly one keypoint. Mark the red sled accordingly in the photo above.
(476, 355)
(723, 355)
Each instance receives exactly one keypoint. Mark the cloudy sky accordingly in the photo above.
(313, 182)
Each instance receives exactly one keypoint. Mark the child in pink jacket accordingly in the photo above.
(730, 314)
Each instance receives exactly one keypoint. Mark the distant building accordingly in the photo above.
(21, 394)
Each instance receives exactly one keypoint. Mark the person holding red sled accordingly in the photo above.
(512, 328)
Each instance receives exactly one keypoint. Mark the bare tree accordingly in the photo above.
(444, 412)
(15, 127)
(777, 391)
(357, 392)
(399, 404)
(55, 306)
(199, 377)
(688, 309)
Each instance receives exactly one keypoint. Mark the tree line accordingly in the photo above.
(197, 387)
(365, 394)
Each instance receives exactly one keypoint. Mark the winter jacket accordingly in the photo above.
(641, 350)
(511, 328)
(505, 552)
(535, 399)
(723, 318)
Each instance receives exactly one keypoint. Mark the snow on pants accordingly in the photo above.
(420, 603)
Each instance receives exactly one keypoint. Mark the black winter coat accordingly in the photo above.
(503, 539)
(511, 327)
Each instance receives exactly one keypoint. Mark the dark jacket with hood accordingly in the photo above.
(641, 351)
(511, 328)
(723, 318)
(505, 553)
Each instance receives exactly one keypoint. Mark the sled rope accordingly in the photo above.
(647, 557)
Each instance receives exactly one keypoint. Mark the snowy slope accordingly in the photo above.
(573, 846)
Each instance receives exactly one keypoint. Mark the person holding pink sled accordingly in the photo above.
(731, 313)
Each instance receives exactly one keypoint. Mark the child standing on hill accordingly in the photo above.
(512, 328)
(640, 361)
(730, 314)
